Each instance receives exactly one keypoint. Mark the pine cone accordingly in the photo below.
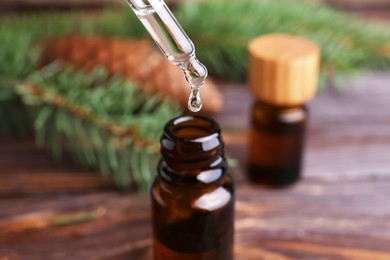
(135, 60)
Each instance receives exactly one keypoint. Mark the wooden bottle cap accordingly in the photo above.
(283, 69)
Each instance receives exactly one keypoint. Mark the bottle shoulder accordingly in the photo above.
(208, 197)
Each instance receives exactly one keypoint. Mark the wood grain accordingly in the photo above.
(340, 210)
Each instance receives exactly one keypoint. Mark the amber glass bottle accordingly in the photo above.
(283, 76)
(192, 197)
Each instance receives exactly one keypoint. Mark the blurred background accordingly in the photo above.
(84, 94)
(370, 8)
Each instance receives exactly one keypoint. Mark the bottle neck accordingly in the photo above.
(192, 151)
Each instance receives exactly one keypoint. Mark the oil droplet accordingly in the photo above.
(195, 74)
(194, 102)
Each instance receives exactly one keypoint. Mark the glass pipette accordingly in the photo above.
(173, 42)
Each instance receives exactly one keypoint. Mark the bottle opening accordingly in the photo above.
(192, 150)
(192, 128)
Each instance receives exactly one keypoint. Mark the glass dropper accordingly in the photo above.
(173, 42)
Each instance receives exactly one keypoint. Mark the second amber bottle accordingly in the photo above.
(283, 76)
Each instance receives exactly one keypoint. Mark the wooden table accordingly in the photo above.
(340, 210)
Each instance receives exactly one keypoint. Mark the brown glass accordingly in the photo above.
(192, 197)
(276, 144)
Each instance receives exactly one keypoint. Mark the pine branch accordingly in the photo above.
(107, 124)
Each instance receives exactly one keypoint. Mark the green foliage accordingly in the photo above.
(106, 123)
(222, 29)
(120, 22)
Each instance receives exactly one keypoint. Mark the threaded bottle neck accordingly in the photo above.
(192, 150)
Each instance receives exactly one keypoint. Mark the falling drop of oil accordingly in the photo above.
(194, 102)
(195, 74)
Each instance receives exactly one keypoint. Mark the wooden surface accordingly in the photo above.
(340, 210)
